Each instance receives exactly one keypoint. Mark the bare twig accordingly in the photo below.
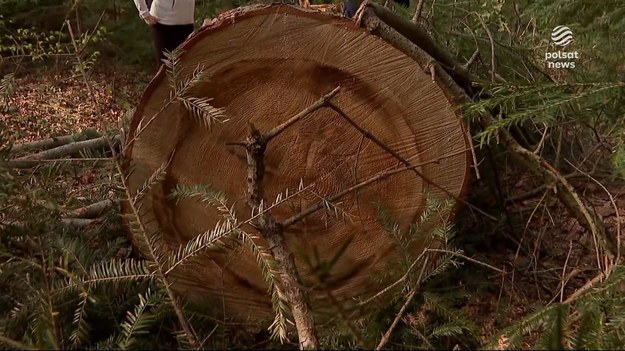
(81, 66)
(397, 282)
(92, 210)
(618, 216)
(400, 158)
(468, 259)
(310, 109)
(566, 262)
(473, 154)
(24, 164)
(540, 145)
(78, 222)
(589, 285)
(472, 59)
(403, 309)
(44, 144)
(492, 48)
(418, 10)
(538, 190)
(65, 150)
(310, 210)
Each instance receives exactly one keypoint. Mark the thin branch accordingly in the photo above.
(272, 231)
(589, 285)
(92, 210)
(45, 144)
(397, 282)
(81, 66)
(418, 10)
(618, 216)
(566, 262)
(492, 48)
(400, 158)
(403, 309)
(468, 259)
(66, 150)
(538, 190)
(312, 209)
(472, 59)
(310, 109)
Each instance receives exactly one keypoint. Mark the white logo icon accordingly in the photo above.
(562, 35)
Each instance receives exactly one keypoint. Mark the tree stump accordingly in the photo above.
(265, 64)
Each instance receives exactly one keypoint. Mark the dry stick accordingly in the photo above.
(80, 63)
(417, 13)
(310, 109)
(468, 259)
(272, 231)
(472, 59)
(78, 222)
(618, 216)
(44, 144)
(400, 158)
(537, 190)
(492, 47)
(403, 309)
(67, 149)
(476, 165)
(397, 282)
(589, 285)
(314, 208)
(92, 210)
(566, 262)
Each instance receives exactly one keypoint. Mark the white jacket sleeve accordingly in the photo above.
(144, 11)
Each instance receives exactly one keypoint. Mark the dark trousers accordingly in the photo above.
(167, 37)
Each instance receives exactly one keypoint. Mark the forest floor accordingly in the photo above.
(548, 258)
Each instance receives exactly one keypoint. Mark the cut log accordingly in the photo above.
(59, 152)
(44, 144)
(264, 64)
(91, 211)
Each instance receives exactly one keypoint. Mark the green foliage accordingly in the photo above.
(433, 320)
(547, 103)
(594, 320)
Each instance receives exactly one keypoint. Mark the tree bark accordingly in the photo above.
(44, 144)
(60, 152)
(92, 210)
(271, 230)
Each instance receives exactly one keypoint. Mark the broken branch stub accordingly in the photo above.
(265, 64)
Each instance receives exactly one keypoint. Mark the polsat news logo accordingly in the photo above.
(561, 36)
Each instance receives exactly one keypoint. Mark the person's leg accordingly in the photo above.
(159, 39)
(177, 35)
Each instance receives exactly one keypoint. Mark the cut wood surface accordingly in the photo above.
(266, 63)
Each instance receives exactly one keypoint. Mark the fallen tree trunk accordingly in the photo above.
(92, 210)
(59, 152)
(70, 149)
(45, 144)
